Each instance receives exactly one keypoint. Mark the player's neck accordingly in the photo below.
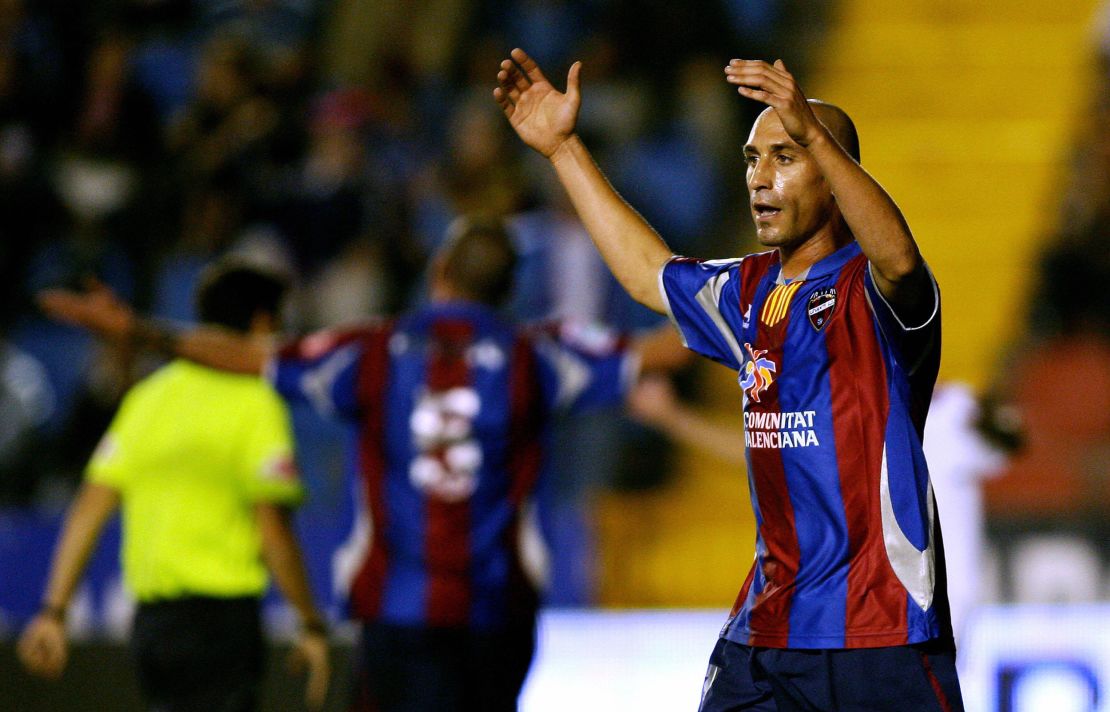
(442, 291)
(797, 258)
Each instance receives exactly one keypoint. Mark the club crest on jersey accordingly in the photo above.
(758, 373)
(820, 307)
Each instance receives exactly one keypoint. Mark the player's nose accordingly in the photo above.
(759, 177)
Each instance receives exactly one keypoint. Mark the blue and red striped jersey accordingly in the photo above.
(451, 403)
(835, 389)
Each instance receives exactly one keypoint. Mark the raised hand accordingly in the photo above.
(774, 86)
(98, 310)
(543, 117)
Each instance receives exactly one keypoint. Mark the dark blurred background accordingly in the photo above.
(142, 139)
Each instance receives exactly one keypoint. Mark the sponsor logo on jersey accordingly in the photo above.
(780, 430)
(759, 373)
(820, 307)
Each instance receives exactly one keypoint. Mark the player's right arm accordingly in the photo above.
(42, 647)
(103, 313)
(545, 120)
(283, 557)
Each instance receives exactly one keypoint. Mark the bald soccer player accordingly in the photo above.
(835, 333)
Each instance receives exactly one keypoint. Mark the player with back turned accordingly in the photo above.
(451, 405)
(835, 333)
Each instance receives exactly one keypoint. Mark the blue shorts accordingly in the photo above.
(920, 677)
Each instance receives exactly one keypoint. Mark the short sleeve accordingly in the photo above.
(269, 470)
(321, 369)
(702, 299)
(109, 464)
(915, 343)
(584, 366)
(113, 461)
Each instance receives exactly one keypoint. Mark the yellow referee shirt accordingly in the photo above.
(191, 451)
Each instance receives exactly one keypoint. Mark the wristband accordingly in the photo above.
(150, 334)
(315, 626)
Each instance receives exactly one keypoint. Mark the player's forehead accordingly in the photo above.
(768, 131)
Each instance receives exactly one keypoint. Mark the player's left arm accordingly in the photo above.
(871, 214)
(284, 559)
(588, 366)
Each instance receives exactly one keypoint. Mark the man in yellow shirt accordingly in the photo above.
(201, 462)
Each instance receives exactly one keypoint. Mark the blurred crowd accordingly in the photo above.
(336, 140)
(1046, 511)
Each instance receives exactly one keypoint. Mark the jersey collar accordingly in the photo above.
(825, 266)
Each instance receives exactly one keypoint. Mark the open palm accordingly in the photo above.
(97, 309)
(543, 117)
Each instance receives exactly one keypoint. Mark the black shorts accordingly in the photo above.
(920, 677)
(417, 669)
(199, 654)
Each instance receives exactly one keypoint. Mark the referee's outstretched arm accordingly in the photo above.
(103, 313)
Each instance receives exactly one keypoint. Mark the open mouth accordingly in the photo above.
(764, 210)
